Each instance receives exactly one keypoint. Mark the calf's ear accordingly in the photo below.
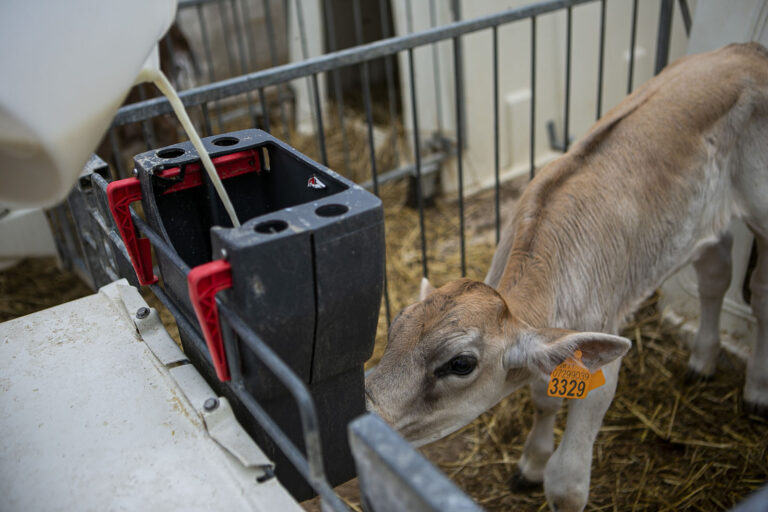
(543, 349)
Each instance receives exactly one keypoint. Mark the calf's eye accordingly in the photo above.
(459, 365)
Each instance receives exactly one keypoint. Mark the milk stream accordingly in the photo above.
(162, 83)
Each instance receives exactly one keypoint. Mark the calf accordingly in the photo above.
(652, 186)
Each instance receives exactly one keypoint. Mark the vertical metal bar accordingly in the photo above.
(206, 119)
(273, 59)
(664, 35)
(686, 13)
(171, 55)
(319, 120)
(391, 98)
(117, 155)
(409, 16)
(600, 61)
(147, 130)
(632, 47)
(497, 183)
(436, 66)
(417, 162)
(225, 35)
(459, 148)
(330, 23)
(239, 39)
(250, 41)
(312, 92)
(209, 60)
(566, 117)
(532, 138)
(456, 8)
(365, 78)
(264, 109)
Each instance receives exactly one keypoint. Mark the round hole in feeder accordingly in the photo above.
(332, 210)
(271, 226)
(170, 152)
(226, 141)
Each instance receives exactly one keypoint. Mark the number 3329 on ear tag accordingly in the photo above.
(571, 379)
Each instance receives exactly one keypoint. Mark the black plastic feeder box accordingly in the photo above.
(305, 270)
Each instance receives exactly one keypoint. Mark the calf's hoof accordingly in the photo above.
(518, 483)
(755, 409)
(695, 377)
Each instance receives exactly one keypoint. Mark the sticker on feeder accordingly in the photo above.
(571, 379)
(313, 182)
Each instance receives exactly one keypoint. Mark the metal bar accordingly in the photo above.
(231, 350)
(566, 117)
(458, 72)
(496, 163)
(273, 58)
(250, 40)
(117, 155)
(182, 322)
(532, 138)
(632, 46)
(206, 119)
(365, 78)
(341, 58)
(417, 158)
(147, 130)
(686, 13)
(209, 59)
(391, 99)
(319, 121)
(306, 406)
(436, 67)
(312, 92)
(239, 38)
(264, 109)
(225, 36)
(600, 60)
(664, 35)
(184, 4)
(409, 16)
(430, 164)
(331, 24)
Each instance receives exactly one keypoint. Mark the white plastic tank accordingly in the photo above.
(67, 67)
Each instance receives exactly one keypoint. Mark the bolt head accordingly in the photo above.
(224, 254)
(142, 312)
(211, 404)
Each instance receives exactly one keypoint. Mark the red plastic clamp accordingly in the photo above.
(121, 194)
(205, 281)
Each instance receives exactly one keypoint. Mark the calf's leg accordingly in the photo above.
(713, 270)
(566, 477)
(756, 386)
(540, 442)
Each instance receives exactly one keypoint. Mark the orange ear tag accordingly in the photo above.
(571, 379)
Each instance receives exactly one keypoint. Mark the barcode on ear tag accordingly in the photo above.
(571, 379)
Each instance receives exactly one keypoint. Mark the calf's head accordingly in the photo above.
(458, 351)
